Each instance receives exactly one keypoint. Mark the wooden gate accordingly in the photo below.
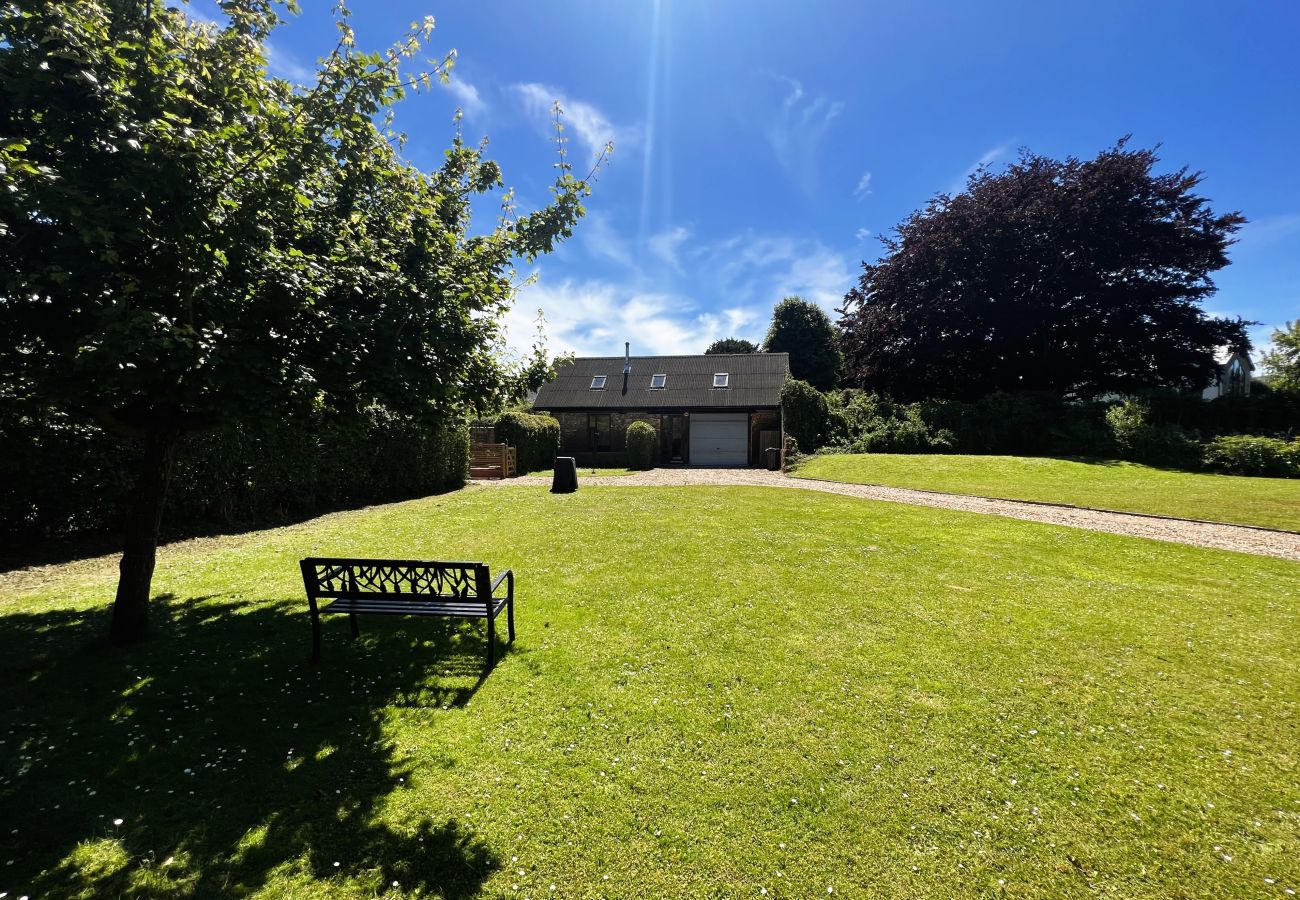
(492, 461)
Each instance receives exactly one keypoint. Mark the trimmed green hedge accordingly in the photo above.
(536, 439)
(63, 476)
(641, 438)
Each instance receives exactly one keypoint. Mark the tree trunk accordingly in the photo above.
(140, 540)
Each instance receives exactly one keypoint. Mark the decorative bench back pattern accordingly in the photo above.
(417, 580)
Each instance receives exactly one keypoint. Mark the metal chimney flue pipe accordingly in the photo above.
(627, 357)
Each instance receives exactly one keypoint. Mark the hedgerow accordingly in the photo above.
(65, 476)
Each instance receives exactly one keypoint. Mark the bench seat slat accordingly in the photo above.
(378, 606)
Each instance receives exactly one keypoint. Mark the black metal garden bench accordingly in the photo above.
(392, 587)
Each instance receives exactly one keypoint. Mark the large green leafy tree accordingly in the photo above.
(803, 330)
(1073, 276)
(186, 241)
(730, 345)
(1282, 360)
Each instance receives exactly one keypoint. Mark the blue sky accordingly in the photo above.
(760, 147)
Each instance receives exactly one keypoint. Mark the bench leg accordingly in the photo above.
(356, 626)
(492, 641)
(315, 637)
(510, 618)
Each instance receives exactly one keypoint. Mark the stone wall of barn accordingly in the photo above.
(575, 440)
(574, 437)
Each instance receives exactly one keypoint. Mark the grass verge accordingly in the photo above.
(1100, 483)
(589, 471)
(715, 692)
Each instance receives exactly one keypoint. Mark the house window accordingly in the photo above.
(598, 382)
(598, 431)
(658, 382)
(1236, 379)
(721, 379)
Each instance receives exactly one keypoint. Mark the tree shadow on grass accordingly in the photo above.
(1109, 462)
(231, 761)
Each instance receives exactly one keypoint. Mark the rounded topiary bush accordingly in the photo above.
(640, 445)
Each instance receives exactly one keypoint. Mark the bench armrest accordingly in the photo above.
(502, 577)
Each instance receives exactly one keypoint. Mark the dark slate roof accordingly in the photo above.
(755, 382)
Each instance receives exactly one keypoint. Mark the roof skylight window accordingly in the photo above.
(598, 382)
(658, 382)
(721, 379)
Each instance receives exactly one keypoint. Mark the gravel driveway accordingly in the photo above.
(1242, 538)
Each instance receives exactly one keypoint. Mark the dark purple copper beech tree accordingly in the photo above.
(1075, 276)
(186, 241)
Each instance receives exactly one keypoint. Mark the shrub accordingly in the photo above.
(641, 438)
(1125, 421)
(905, 435)
(1137, 439)
(805, 414)
(790, 455)
(1242, 454)
(536, 439)
(865, 423)
(1262, 413)
(1026, 423)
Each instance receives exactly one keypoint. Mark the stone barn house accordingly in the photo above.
(707, 410)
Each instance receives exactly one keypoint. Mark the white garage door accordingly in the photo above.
(719, 439)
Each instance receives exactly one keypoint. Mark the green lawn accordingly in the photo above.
(715, 692)
(589, 470)
(1102, 483)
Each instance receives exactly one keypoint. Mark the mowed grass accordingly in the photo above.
(589, 470)
(1100, 483)
(715, 692)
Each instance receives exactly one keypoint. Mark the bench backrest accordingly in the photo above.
(416, 579)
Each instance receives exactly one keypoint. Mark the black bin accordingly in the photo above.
(565, 479)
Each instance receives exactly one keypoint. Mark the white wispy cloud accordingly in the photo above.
(193, 12)
(603, 241)
(593, 317)
(734, 285)
(286, 65)
(468, 97)
(862, 234)
(589, 125)
(1267, 230)
(665, 245)
(796, 132)
(992, 155)
(863, 190)
(758, 270)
